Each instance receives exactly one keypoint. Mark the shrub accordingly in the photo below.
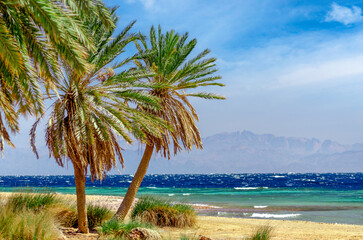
(28, 225)
(162, 213)
(189, 237)
(67, 217)
(96, 216)
(262, 233)
(31, 201)
(114, 229)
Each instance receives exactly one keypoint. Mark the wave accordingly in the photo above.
(151, 187)
(171, 194)
(203, 205)
(268, 215)
(186, 194)
(249, 188)
(260, 206)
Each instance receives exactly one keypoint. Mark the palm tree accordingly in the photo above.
(91, 112)
(35, 35)
(174, 74)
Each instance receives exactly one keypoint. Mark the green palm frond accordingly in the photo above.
(97, 108)
(34, 36)
(168, 56)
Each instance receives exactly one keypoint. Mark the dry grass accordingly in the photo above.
(96, 216)
(28, 225)
(262, 233)
(162, 213)
(30, 216)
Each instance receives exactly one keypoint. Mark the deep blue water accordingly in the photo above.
(337, 181)
(331, 197)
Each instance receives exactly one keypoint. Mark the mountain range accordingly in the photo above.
(236, 152)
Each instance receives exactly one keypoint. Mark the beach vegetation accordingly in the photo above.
(163, 213)
(175, 74)
(262, 233)
(66, 216)
(91, 111)
(96, 216)
(115, 229)
(28, 216)
(189, 237)
(27, 225)
(31, 201)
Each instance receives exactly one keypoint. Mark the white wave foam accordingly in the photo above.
(278, 176)
(203, 205)
(268, 215)
(186, 194)
(249, 188)
(171, 194)
(245, 188)
(151, 187)
(260, 206)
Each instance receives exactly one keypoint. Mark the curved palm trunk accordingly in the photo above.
(80, 180)
(135, 184)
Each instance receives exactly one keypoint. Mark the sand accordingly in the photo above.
(238, 228)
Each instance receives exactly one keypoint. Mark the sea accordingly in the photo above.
(325, 197)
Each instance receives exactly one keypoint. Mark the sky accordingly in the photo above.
(291, 68)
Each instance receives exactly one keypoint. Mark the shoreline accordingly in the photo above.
(208, 210)
(216, 227)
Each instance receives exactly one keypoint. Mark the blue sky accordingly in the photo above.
(292, 68)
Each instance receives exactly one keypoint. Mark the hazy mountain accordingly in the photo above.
(236, 152)
(248, 152)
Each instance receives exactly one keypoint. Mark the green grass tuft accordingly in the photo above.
(96, 216)
(262, 233)
(114, 229)
(162, 213)
(32, 201)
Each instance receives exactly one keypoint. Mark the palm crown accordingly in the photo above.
(92, 111)
(175, 74)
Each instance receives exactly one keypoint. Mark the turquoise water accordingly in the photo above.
(306, 204)
(319, 197)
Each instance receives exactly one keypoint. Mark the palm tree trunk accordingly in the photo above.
(80, 180)
(135, 184)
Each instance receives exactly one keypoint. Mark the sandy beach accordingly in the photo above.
(238, 228)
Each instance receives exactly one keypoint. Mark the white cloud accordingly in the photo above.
(311, 61)
(148, 4)
(344, 15)
(335, 70)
